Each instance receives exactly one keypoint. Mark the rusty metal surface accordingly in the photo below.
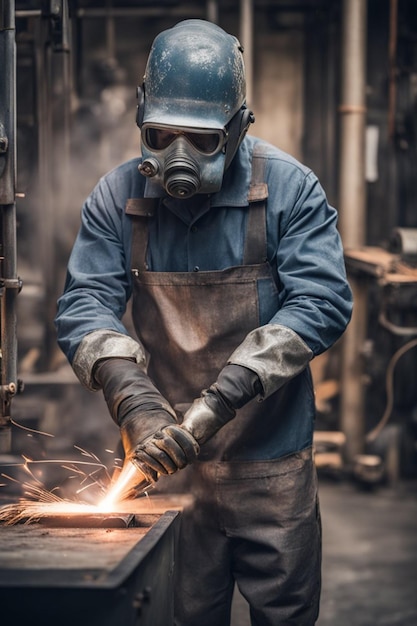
(90, 576)
(76, 556)
(55, 552)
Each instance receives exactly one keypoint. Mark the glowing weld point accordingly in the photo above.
(129, 478)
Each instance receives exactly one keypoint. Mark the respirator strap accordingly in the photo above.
(236, 130)
(140, 97)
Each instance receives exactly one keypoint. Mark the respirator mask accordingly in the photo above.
(191, 108)
(184, 161)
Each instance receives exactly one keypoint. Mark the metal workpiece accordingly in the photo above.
(90, 575)
(92, 520)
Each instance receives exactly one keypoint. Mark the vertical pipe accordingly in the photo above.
(352, 204)
(53, 117)
(352, 124)
(392, 62)
(9, 282)
(47, 159)
(352, 394)
(213, 11)
(110, 32)
(58, 161)
(246, 39)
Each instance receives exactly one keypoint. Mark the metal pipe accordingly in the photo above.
(28, 13)
(352, 204)
(103, 12)
(353, 377)
(392, 61)
(246, 39)
(352, 124)
(213, 11)
(110, 33)
(9, 282)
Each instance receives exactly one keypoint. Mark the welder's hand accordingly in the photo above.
(135, 404)
(207, 415)
(167, 451)
(235, 386)
(174, 447)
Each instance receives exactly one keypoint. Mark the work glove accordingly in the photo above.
(217, 405)
(142, 414)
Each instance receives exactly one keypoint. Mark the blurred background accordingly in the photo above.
(332, 82)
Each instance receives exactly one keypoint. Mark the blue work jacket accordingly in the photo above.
(303, 247)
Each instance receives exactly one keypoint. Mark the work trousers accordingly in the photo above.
(256, 524)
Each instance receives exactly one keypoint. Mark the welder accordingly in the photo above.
(232, 257)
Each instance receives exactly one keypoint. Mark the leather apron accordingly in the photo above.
(190, 323)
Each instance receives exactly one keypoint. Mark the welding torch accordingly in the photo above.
(129, 482)
(163, 453)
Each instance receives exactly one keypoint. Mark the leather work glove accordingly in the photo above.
(217, 405)
(142, 413)
(235, 386)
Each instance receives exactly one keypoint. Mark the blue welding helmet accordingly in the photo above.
(191, 108)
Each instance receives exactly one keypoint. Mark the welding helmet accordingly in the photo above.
(191, 108)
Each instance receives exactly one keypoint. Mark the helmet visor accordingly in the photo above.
(159, 137)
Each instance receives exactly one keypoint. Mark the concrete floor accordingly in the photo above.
(369, 557)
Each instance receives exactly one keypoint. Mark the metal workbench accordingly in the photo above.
(91, 576)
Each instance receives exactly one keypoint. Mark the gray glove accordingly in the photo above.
(143, 414)
(235, 386)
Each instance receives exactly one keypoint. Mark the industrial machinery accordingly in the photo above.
(386, 361)
(379, 440)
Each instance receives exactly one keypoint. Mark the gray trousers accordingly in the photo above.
(256, 524)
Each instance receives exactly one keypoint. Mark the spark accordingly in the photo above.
(31, 430)
(28, 511)
(38, 501)
(13, 480)
(90, 455)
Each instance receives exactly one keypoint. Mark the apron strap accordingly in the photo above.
(141, 209)
(255, 251)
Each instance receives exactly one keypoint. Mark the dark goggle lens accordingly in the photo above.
(161, 138)
(205, 142)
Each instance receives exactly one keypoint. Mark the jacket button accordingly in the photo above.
(196, 269)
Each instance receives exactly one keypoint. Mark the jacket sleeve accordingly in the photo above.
(315, 300)
(89, 317)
